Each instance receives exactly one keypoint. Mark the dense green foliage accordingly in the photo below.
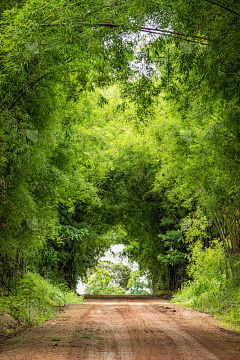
(37, 299)
(119, 123)
(108, 278)
(137, 284)
(115, 279)
(210, 289)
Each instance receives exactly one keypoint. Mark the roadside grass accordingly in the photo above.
(37, 300)
(86, 335)
(223, 303)
(89, 336)
(215, 285)
(56, 338)
(13, 341)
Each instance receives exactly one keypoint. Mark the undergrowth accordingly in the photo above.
(215, 284)
(37, 299)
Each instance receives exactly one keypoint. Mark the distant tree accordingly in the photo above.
(108, 278)
(137, 285)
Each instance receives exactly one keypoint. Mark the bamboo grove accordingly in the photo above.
(119, 123)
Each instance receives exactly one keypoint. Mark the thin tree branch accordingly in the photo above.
(149, 30)
(83, 23)
(23, 92)
(176, 37)
(4, 284)
(223, 7)
(174, 32)
(235, 135)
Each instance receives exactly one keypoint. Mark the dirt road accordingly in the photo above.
(128, 330)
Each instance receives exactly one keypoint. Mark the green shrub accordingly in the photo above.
(214, 286)
(100, 283)
(37, 299)
(137, 285)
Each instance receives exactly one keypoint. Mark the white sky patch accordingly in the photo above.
(114, 258)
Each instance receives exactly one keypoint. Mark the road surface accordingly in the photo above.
(127, 329)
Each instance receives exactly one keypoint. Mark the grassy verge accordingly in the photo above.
(36, 300)
(215, 286)
(222, 303)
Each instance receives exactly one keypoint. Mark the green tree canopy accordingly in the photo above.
(117, 114)
(108, 278)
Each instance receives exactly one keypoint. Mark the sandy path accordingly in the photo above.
(128, 330)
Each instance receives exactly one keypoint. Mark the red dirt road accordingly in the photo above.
(128, 330)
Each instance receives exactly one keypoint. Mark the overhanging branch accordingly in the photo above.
(223, 7)
(23, 92)
(83, 23)
(176, 37)
(174, 33)
(156, 31)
